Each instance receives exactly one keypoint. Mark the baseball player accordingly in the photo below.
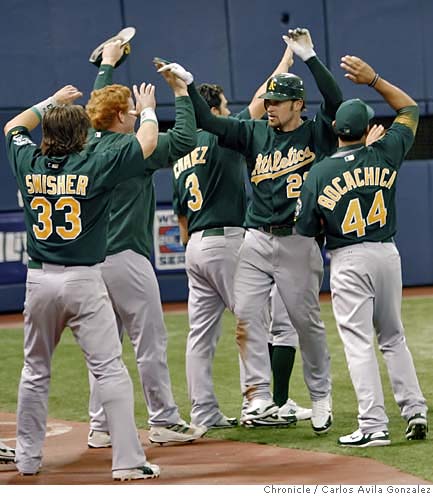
(352, 196)
(209, 199)
(7, 454)
(279, 153)
(127, 271)
(66, 192)
(283, 339)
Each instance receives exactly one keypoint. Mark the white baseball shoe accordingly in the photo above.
(294, 412)
(179, 433)
(7, 454)
(321, 416)
(262, 412)
(141, 473)
(98, 439)
(417, 427)
(359, 439)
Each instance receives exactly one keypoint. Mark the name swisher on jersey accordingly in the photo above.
(349, 180)
(62, 184)
(274, 165)
(194, 158)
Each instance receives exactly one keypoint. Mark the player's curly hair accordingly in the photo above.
(64, 130)
(211, 93)
(105, 103)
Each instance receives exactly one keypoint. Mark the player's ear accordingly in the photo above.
(299, 104)
(215, 111)
(120, 116)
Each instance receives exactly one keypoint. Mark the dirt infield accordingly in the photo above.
(67, 460)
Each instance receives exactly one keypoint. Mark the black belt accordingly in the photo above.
(278, 229)
(213, 232)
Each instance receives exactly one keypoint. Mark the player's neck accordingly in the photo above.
(344, 143)
(291, 124)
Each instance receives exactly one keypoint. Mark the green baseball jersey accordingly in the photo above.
(352, 194)
(67, 199)
(133, 203)
(208, 184)
(278, 162)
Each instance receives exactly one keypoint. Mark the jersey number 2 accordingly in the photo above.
(353, 220)
(192, 183)
(44, 228)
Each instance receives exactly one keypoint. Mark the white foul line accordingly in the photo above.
(53, 429)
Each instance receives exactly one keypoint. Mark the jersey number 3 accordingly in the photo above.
(353, 220)
(193, 185)
(44, 228)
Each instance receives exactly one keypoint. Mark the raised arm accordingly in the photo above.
(358, 71)
(257, 105)
(111, 54)
(299, 40)
(30, 118)
(145, 104)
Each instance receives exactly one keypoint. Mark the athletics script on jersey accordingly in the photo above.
(359, 177)
(274, 165)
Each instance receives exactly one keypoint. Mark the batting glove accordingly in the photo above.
(299, 40)
(178, 71)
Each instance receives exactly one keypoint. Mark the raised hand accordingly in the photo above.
(144, 97)
(67, 95)
(178, 71)
(112, 52)
(300, 42)
(357, 70)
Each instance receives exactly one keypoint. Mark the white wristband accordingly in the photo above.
(307, 54)
(148, 114)
(41, 108)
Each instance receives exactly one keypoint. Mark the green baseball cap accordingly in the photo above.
(352, 117)
(284, 86)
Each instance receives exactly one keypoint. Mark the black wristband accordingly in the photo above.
(374, 80)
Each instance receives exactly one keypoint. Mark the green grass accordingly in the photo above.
(69, 388)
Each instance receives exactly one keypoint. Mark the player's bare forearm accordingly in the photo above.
(361, 73)
(30, 118)
(394, 96)
(326, 84)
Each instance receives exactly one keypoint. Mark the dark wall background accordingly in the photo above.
(236, 43)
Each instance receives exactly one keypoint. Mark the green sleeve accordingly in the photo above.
(327, 86)
(20, 148)
(104, 77)
(308, 221)
(176, 200)
(232, 132)
(123, 161)
(178, 141)
(400, 136)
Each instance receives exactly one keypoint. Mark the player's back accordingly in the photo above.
(209, 185)
(67, 199)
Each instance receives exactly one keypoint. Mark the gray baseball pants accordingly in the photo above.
(295, 264)
(74, 296)
(134, 293)
(366, 291)
(210, 265)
